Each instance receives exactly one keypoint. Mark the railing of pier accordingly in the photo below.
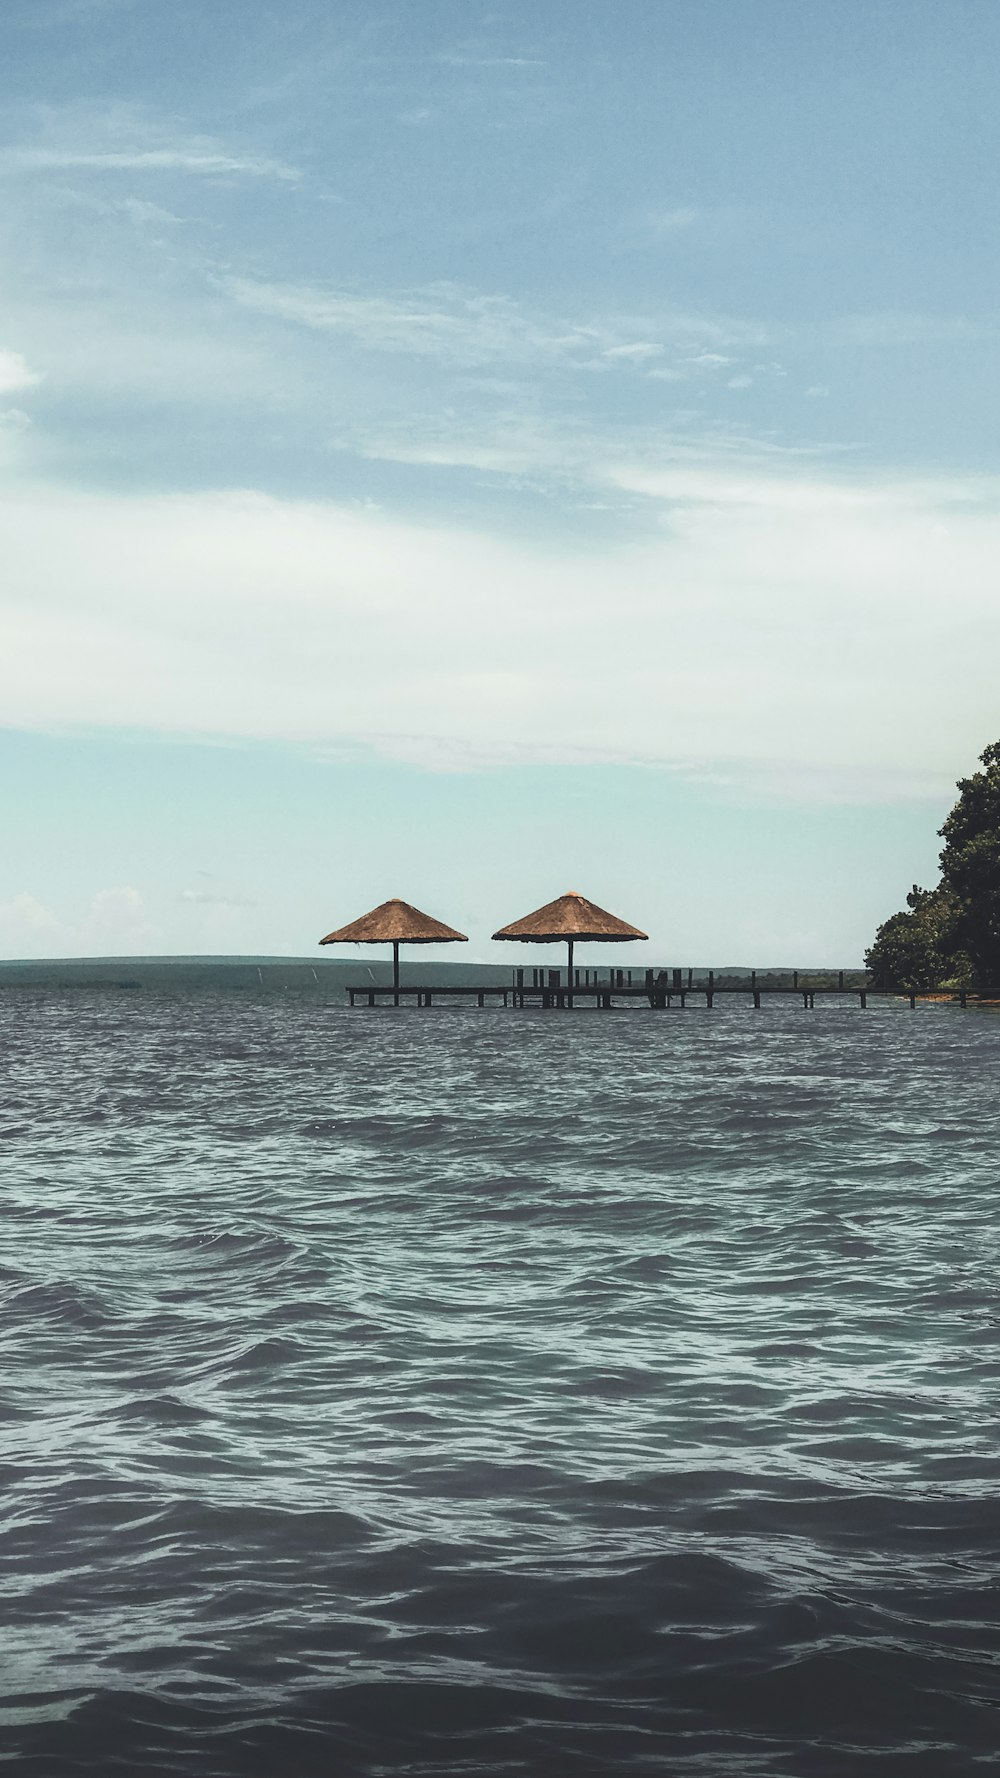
(677, 980)
(540, 985)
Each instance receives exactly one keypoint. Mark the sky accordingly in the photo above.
(469, 452)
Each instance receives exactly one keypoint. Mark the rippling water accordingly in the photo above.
(477, 1392)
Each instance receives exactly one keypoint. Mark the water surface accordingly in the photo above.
(458, 1392)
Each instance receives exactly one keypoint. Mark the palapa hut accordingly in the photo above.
(573, 918)
(395, 923)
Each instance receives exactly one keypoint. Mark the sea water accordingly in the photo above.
(464, 1391)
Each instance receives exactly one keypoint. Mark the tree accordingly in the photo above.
(970, 868)
(915, 952)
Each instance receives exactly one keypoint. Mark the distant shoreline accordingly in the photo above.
(334, 974)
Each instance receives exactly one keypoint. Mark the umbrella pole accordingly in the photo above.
(569, 973)
(395, 972)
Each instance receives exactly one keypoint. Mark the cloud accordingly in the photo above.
(212, 899)
(670, 222)
(126, 138)
(471, 328)
(441, 322)
(15, 373)
(116, 921)
(144, 214)
(179, 158)
(474, 61)
(638, 353)
(24, 923)
(767, 619)
(899, 328)
(713, 485)
(113, 923)
(44, 16)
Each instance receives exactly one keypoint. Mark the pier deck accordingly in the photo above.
(658, 989)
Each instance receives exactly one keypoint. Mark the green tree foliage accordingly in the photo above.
(970, 868)
(950, 936)
(915, 952)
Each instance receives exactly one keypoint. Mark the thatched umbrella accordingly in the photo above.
(395, 923)
(573, 918)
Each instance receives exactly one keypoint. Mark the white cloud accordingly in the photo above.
(474, 61)
(113, 923)
(712, 485)
(441, 322)
(776, 622)
(26, 923)
(468, 327)
(900, 328)
(15, 373)
(209, 898)
(195, 156)
(116, 923)
(144, 214)
(637, 353)
(670, 222)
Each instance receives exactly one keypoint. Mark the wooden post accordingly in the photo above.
(913, 1003)
(840, 980)
(864, 1000)
(754, 990)
(481, 997)
(795, 980)
(395, 972)
(963, 998)
(371, 996)
(805, 1003)
(756, 999)
(569, 972)
(711, 988)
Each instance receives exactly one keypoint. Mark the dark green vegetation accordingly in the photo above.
(950, 935)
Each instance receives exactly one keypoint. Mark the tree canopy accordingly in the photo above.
(949, 936)
(912, 952)
(970, 868)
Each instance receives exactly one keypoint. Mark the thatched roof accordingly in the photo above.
(394, 922)
(570, 916)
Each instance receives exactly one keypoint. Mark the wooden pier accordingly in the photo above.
(602, 989)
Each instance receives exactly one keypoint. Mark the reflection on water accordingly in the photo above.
(463, 1391)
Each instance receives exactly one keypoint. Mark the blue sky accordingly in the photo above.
(468, 452)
